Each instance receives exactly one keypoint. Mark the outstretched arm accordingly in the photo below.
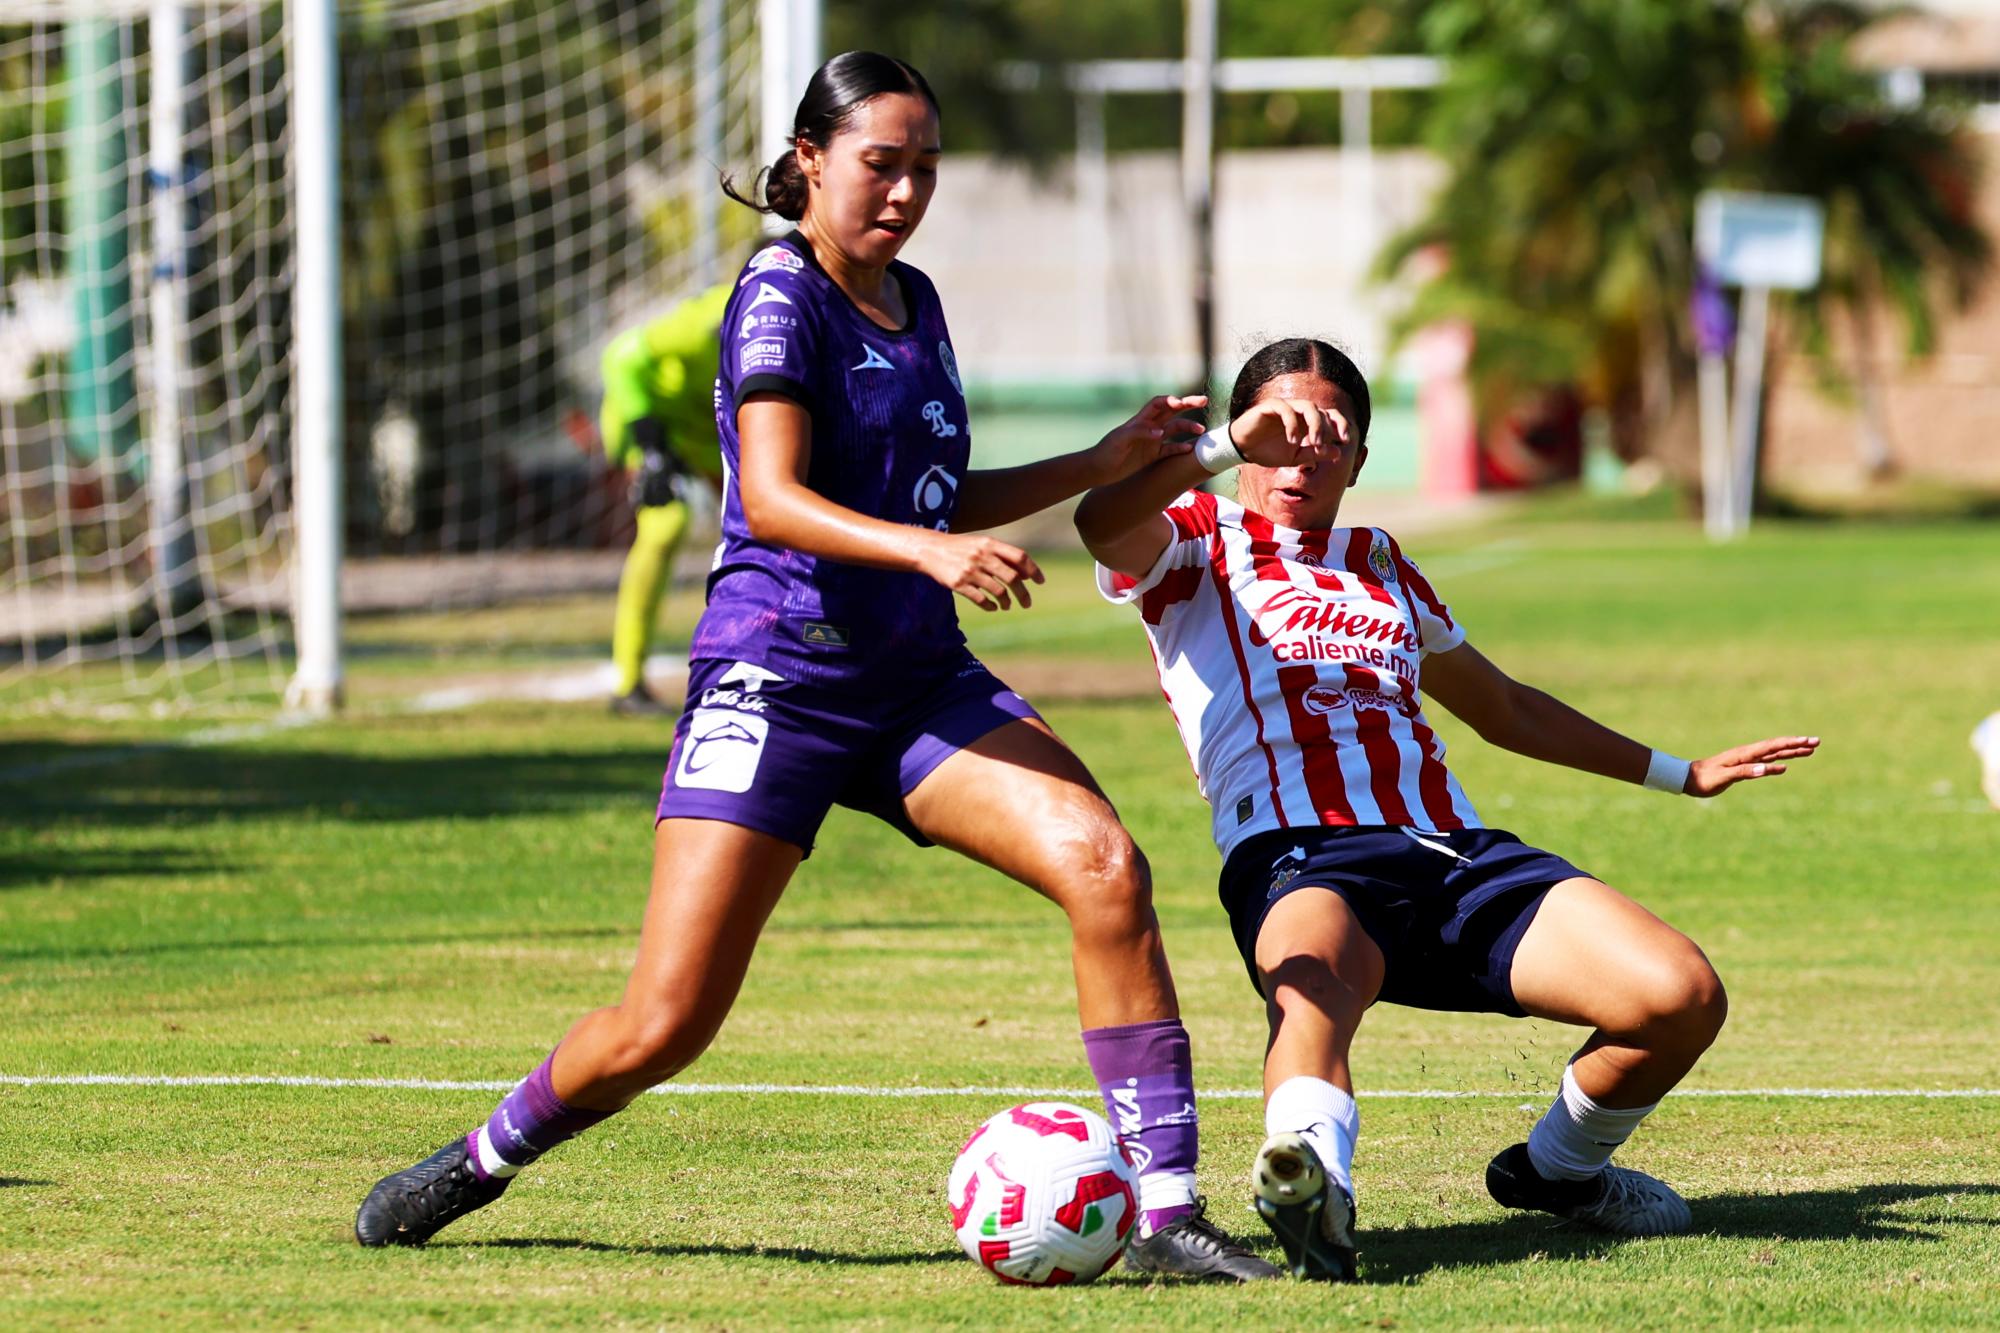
(1528, 721)
(993, 496)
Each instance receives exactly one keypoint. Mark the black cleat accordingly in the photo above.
(1195, 1247)
(1618, 1199)
(1312, 1217)
(413, 1205)
(639, 702)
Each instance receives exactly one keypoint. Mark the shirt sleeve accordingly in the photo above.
(770, 335)
(1437, 630)
(1177, 575)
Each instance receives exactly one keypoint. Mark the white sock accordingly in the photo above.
(1326, 1116)
(1163, 1189)
(491, 1161)
(1575, 1137)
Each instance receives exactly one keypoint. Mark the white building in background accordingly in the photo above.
(1044, 287)
(1058, 284)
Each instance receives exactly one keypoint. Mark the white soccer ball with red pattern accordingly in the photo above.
(1042, 1194)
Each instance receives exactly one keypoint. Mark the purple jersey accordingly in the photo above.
(889, 439)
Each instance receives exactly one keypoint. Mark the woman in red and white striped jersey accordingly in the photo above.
(1292, 652)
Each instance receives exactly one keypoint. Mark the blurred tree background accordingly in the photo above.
(1576, 135)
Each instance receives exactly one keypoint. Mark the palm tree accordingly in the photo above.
(1577, 134)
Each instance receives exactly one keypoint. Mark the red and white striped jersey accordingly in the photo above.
(1290, 660)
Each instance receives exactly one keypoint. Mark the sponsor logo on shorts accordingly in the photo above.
(761, 355)
(817, 631)
(721, 750)
(719, 698)
(1286, 870)
(934, 413)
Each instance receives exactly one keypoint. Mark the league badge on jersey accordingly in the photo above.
(770, 257)
(1381, 561)
(950, 364)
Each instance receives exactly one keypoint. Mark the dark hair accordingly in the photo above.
(1296, 356)
(835, 92)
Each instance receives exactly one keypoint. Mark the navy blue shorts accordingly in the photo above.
(774, 755)
(1447, 923)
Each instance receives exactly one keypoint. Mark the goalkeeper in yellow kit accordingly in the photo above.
(658, 423)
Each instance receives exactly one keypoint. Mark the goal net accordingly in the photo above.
(518, 180)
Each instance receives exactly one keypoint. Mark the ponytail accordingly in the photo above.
(783, 185)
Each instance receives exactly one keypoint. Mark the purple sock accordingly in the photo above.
(529, 1121)
(1146, 1073)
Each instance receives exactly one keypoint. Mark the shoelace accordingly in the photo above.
(428, 1193)
(1198, 1223)
(1623, 1193)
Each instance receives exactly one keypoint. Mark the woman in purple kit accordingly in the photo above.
(829, 669)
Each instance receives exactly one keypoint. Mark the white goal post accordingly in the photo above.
(283, 277)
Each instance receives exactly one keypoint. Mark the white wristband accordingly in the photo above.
(1216, 452)
(1666, 773)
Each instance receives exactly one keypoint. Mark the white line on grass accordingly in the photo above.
(860, 1090)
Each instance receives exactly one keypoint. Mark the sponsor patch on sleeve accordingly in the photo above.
(761, 354)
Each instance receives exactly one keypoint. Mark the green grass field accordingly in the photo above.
(435, 896)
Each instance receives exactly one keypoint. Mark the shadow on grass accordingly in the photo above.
(334, 939)
(22, 1183)
(141, 786)
(17, 872)
(783, 1254)
(1865, 1212)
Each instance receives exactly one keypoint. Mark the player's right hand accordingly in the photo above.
(1279, 432)
(981, 569)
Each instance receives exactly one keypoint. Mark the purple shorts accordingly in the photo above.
(774, 755)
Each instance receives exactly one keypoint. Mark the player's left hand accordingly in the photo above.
(1155, 431)
(1746, 763)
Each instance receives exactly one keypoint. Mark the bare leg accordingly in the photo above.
(1321, 972)
(1596, 958)
(1019, 801)
(714, 885)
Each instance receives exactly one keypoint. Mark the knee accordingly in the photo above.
(1685, 1007)
(650, 1043)
(1110, 896)
(1307, 991)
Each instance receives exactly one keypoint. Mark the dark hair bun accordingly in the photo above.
(835, 92)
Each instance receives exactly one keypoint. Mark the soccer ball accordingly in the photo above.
(1043, 1194)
